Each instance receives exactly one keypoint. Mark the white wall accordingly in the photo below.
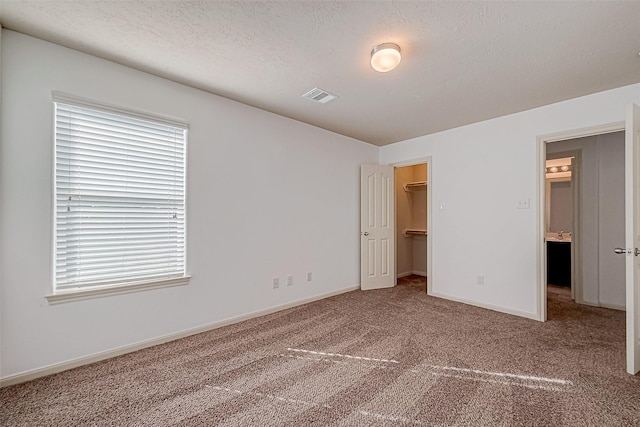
(267, 197)
(481, 232)
(602, 215)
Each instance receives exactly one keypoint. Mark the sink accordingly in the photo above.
(553, 237)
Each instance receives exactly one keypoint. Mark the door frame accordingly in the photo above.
(541, 148)
(429, 162)
(632, 214)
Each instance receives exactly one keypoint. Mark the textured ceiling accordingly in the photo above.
(463, 62)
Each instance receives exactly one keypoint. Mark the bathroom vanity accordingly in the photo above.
(559, 262)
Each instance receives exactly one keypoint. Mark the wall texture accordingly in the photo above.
(260, 204)
(479, 173)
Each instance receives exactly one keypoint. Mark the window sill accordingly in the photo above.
(79, 294)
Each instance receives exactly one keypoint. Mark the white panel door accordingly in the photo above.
(377, 227)
(632, 215)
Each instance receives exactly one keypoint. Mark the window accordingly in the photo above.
(119, 198)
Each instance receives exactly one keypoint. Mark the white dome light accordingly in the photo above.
(385, 57)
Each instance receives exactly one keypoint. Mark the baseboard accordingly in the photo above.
(96, 357)
(409, 273)
(613, 306)
(497, 308)
(605, 305)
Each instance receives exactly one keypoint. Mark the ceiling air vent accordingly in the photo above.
(319, 95)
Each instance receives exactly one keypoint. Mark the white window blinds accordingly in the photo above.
(120, 197)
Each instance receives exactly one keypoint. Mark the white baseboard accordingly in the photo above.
(96, 357)
(613, 306)
(497, 308)
(605, 305)
(409, 273)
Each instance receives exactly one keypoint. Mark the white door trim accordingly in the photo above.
(541, 150)
(632, 242)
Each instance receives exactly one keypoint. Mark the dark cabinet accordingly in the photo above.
(559, 263)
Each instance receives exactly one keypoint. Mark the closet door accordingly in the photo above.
(377, 227)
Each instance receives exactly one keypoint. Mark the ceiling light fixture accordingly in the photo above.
(385, 57)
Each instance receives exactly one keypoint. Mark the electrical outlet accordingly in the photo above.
(290, 280)
(480, 280)
(276, 283)
(309, 276)
(523, 204)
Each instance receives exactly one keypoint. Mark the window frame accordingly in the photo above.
(83, 292)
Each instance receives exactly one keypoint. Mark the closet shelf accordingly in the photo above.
(410, 232)
(415, 186)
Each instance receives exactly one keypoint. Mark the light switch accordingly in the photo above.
(523, 204)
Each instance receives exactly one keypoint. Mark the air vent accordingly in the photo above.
(319, 95)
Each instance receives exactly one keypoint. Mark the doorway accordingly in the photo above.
(583, 258)
(561, 208)
(562, 219)
(412, 194)
(411, 220)
(379, 230)
(549, 144)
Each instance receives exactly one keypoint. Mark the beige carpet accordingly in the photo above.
(376, 358)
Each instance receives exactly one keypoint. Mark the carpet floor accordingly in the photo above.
(375, 358)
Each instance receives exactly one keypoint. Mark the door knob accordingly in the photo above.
(620, 251)
(366, 233)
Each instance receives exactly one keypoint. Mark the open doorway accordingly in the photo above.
(412, 237)
(586, 202)
(379, 230)
(561, 219)
(608, 243)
